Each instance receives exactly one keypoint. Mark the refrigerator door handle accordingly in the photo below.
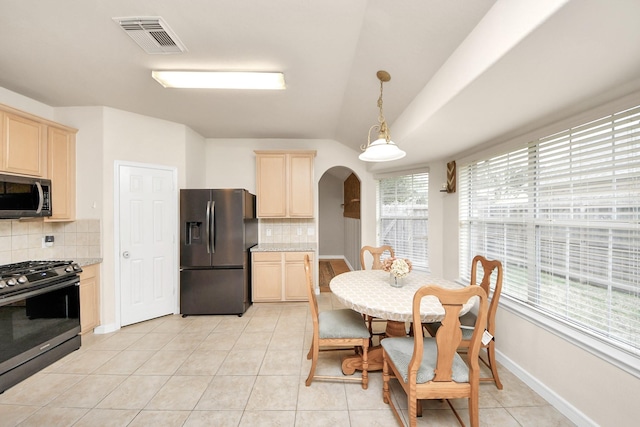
(213, 227)
(208, 226)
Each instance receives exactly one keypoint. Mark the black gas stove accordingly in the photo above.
(28, 276)
(39, 316)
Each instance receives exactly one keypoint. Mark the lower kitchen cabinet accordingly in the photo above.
(279, 276)
(89, 298)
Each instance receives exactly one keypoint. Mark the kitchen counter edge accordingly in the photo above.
(82, 262)
(285, 247)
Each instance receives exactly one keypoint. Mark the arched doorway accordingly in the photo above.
(339, 216)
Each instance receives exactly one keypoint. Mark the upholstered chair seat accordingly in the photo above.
(400, 351)
(343, 323)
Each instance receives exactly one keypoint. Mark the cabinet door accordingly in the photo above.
(267, 280)
(89, 298)
(271, 187)
(301, 198)
(62, 172)
(23, 145)
(295, 288)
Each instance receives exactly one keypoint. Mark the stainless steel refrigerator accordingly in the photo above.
(217, 229)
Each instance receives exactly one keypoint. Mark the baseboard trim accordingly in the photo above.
(563, 406)
(106, 329)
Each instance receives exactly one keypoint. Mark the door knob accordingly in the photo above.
(125, 254)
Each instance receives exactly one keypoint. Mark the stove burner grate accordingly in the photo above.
(25, 276)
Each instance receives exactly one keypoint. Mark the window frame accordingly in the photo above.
(613, 352)
(418, 264)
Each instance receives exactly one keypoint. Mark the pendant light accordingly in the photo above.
(382, 149)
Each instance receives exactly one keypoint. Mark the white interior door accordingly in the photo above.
(147, 219)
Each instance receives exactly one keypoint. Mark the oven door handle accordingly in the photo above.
(43, 290)
(40, 197)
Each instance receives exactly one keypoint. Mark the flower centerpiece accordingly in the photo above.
(398, 269)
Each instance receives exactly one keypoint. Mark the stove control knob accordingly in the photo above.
(68, 269)
(22, 280)
(76, 267)
(12, 281)
(3, 284)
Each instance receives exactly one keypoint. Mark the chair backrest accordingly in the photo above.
(449, 335)
(313, 300)
(376, 253)
(488, 267)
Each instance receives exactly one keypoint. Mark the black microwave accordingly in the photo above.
(24, 197)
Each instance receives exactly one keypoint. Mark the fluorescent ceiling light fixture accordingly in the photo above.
(219, 79)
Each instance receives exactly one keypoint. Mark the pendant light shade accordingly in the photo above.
(382, 149)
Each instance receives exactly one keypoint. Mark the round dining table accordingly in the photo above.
(370, 292)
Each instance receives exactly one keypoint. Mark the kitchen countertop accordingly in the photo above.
(87, 261)
(285, 247)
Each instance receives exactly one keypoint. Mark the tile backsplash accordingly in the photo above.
(23, 240)
(299, 230)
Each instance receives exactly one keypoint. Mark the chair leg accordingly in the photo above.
(386, 395)
(474, 415)
(413, 411)
(491, 356)
(365, 366)
(310, 351)
(314, 361)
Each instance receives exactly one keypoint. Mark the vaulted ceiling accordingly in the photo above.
(462, 72)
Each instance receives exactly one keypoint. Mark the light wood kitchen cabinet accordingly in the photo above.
(61, 170)
(89, 298)
(295, 279)
(24, 145)
(284, 184)
(279, 276)
(267, 276)
(31, 145)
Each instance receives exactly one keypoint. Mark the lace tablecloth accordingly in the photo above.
(369, 292)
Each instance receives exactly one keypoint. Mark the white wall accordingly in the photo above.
(330, 217)
(89, 166)
(352, 233)
(195, 160)
(134, 138)
(28, 105)
(232, 163)
(108, 135)
(572, 379)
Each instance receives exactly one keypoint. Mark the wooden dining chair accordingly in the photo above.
(337, 329)
(430, 367)
(468, 320)
(376, 253)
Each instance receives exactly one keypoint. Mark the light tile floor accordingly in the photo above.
(232, 371)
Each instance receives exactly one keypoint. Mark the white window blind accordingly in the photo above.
(563, 216)
(403, 214)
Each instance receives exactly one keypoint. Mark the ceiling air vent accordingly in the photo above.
(152, 34)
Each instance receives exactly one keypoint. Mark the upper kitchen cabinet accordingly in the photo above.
(62, 172)
(31, 145)
(24, 145)
(285, 184)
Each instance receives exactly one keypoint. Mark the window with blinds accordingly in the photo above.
(563, 216)
(403, 214)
